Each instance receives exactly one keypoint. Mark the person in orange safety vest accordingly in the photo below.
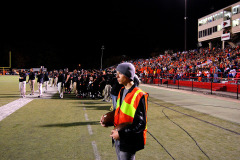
(131, 109)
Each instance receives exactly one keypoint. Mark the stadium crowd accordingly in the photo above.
(202, 64)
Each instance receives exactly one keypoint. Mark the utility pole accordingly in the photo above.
(185, 19)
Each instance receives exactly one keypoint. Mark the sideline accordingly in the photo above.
(13, 106)
(220, 107)
(191, 92)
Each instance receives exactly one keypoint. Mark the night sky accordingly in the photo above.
(64, 34)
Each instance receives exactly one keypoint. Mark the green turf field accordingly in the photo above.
(9, 89)
(58, 129)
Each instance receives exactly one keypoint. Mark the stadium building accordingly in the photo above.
(220, 28)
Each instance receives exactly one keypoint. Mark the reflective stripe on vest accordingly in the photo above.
(126, 108)
(126, 112)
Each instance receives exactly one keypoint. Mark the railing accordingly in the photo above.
(227, 87)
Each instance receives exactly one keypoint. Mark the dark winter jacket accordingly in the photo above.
(131, 137)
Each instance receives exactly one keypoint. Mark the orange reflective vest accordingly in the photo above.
(126, 112)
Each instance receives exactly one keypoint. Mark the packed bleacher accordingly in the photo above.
(202, 64)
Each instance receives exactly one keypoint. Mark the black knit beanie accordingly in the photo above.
(127, 69)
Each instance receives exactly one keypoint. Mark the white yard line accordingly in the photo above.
(90, 129)
(88, 126)
(86, 117)
(94, 145)
(97, 156)
(11, 107)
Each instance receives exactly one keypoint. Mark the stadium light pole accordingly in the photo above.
(185, 28)
(102, 55)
